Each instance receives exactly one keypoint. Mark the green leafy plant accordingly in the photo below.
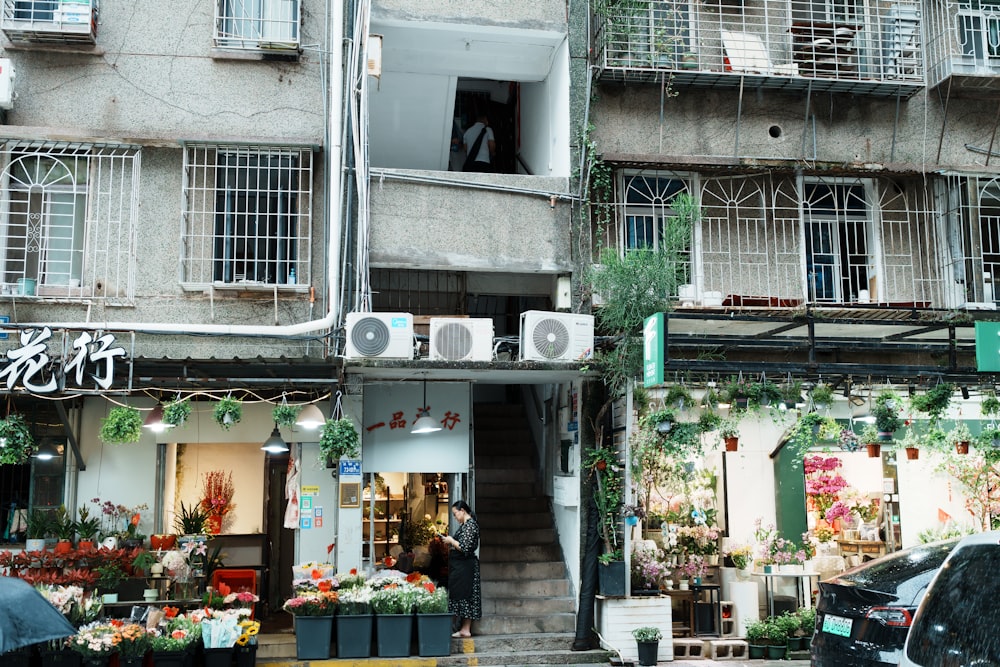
(122, 425)
(143, 560)
(679, 397)
(190, 520)
(756, 632)
(774, 632)
(228, 411)
(177, 412)
(285, 415)
(790, 623)
(63, 524)
(110, 574)
(339, 438)
(86, 525)
(647, 633)
(821, 394)
(807, 620)
(958, 434)
(990, 404)
(868, 435)
(605, 470)
(39, 524)
(935, 401)
(18, 443)
(729, 427)
(886, 412)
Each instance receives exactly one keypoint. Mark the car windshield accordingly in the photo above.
(904, 574)
(958, 619)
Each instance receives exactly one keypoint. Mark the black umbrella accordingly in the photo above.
(26, 617)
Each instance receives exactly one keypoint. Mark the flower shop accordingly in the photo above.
(722, 542)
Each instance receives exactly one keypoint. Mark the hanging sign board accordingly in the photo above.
(987, 346)
(653, 346)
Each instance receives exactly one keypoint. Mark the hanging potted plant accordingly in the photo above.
(990, 405)
(886, 413)
(989, 437)
(729, 433)
(679, 397)
(660, 421)
(791, 393)
(821, 396)
(911, 444)
(122, 425)
(339, 438)
(710, 399)
(766, 392)
(934, 402)
(228, 411)
(18, 443)
(177, 412)
(285, 414)
(960, 436)
(869, 436)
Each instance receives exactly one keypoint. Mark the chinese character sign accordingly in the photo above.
(89, 364)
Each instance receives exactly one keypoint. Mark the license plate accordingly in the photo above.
(837, 625)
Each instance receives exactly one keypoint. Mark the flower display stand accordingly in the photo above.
(246, 656)
(617, 617)
(433, 634)
(312, 637)
(354, 636)
(223, 657)
(392, 634)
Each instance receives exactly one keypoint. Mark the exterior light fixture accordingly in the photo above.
(425, 423)
(46, 451)
(274, 444)
(154, 421)
(310, 418)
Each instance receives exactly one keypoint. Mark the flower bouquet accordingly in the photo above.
(319, 604)
(741, 556)
(180, 633)
(135, 642)
(694, 568)
(95, 640)
(217, 498)
(395, 598)
(355, 601)
(648, 568)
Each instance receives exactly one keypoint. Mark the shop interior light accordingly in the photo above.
(154, 420)
(47, 451)
(425, 423)
(275, 444)
(310, 418)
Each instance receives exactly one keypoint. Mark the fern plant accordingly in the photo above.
(122, 425)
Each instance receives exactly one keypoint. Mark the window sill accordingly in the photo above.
(262, 288)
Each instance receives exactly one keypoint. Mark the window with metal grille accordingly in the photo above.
(837, 240)
(68, 214)
(257, 24)
(247, 215)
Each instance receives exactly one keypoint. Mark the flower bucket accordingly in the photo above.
(312, 637)
(219, 657)
(354, 636)
(169, 658)
(392, 634)
(647, 652)
(434, 634)
(246, 656)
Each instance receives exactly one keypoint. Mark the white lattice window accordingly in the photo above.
(247, 217)
(839, 240)
(257, 24)
(69, 220)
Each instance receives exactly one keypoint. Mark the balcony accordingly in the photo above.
(963, 48)
(50, 22)
(468, 222)
(863, 47)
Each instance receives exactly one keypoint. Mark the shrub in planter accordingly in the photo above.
(647, 634)
(228, 411)
(122, 425)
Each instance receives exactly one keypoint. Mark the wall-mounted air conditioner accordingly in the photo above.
(549, 336)
(6, 83)
(461, 339)
(383, 335)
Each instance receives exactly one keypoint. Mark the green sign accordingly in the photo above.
(988, 346)
(654, 345)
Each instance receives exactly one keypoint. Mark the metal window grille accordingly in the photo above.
(247, 215)
(963, 40)
(253, 24)
(787, 240)
(69, 220)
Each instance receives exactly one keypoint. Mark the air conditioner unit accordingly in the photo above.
(6, 83)
(461, 339)
(383, 335)
(549, 336)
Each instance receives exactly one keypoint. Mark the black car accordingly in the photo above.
(863, 615)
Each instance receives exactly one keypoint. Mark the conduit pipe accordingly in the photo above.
(335, 221)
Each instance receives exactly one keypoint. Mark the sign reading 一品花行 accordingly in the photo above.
(653, 333)
(89, 364)
(987, 346)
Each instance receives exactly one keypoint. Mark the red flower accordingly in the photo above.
(224, 589)
(316, 574)
(324, 585)
(330, 547)
(171, 612)
(354, 571)
(135, 519)
(389, 561)
(429, 586)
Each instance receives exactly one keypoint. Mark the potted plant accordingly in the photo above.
(285, 414)
(679, 396)
(393, 607)
(821, 395)
(911, 444)
(660, 421)
(886, 413)
(807, 623)
(756, 634)
(86, 528)
(729, 432)
(142, 561)
(110, 574)
(791, 393)
(767, 392)
(990, 405)
(191, 519)
(710, 399)
(227, 411)
(433, 621)
(776, 638)
(934, 402)
(791, 624)
(177, 412)
(354, 619)
(64, 528)
(647, 639)
(869, 437)
(989, 437)
(607, 485)
(20, 444)
(339, 438)
(959, 437)
(122, 425)
(39, 526)
(313, 624)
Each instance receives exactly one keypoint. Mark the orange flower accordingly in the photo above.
(413, 577)
(171, 612)
(135, 519)
(316, 574)
(178, 634)
(117, 622)
(389, 561)
(354, 571)
(224, 589)
(324, 585)
(429, 585)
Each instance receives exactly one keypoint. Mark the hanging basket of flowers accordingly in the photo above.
(122, 425)
(18, 443)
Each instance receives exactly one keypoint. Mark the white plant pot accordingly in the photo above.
(156, 569)
(34, 544)
(109, 598)
(150, 594)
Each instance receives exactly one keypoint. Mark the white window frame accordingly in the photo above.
(86, 250)
(258, 24)
(247, 217)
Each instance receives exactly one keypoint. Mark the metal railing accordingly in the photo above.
(257, 24)
(66, 21)
(863, 46)
(963, 44)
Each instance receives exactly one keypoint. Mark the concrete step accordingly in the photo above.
(526, 571)
(526, 623)
(506, 553)
(505, 459)
(508, 505)
(504, 475)
(506, 490)
(528, 606)
(528, 588)
(524, 536)
(494, 521)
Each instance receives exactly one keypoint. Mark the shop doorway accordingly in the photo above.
(280, 540)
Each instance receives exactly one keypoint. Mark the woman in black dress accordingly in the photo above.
(464, 594)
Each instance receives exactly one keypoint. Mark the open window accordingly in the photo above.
(247, 215)
(838, 241)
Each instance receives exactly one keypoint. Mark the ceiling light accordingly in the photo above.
(310, 418)
(47, 451)
(274, 444)
(425, 423)
(154, 420)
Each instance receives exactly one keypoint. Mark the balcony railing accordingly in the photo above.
(868, 47)
(963, 47)
(50, 22)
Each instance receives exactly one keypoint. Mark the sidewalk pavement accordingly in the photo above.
(736, 663)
